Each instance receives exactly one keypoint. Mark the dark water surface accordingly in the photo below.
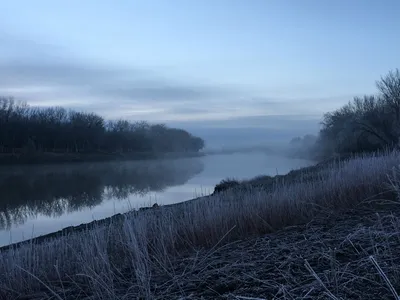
(36, 200)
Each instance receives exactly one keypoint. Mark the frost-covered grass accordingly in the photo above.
(124, 260)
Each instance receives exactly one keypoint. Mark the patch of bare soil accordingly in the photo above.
(351, 255)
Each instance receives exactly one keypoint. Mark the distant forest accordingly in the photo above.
(27, 130)
(367, 124)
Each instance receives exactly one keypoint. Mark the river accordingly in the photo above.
(36, 200)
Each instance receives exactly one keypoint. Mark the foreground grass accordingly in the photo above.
(353, 255)
(168, 252)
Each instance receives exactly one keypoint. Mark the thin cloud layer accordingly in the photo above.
(124, 84)
(52, 73)
(47, 75)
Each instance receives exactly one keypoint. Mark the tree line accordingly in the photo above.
(366, 124)
(29, 129)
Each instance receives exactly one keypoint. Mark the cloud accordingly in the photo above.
(182, 110)
(42, 72)
(47, 75)
(120, 83)
(276, 122)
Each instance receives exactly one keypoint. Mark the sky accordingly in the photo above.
(223, 63)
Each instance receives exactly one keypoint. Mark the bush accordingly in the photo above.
(225, 185)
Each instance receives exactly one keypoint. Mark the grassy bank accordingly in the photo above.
(208, 247)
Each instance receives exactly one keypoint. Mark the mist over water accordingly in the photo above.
(37, 200)
(247, 137)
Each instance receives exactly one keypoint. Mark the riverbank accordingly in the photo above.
(149, 255)
(54, 158)
(110, 221)
(344, 255)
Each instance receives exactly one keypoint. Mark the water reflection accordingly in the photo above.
(54, 190)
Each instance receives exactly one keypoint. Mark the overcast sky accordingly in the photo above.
(231, 62)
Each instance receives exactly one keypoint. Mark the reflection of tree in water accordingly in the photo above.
(53, 190)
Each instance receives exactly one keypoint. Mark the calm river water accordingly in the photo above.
(36, 200)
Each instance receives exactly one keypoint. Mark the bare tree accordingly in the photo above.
(55, 129)
(367, 123)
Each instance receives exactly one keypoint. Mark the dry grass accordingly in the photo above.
(347, 256)
(138, 258)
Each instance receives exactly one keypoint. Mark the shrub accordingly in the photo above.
(225, 185)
